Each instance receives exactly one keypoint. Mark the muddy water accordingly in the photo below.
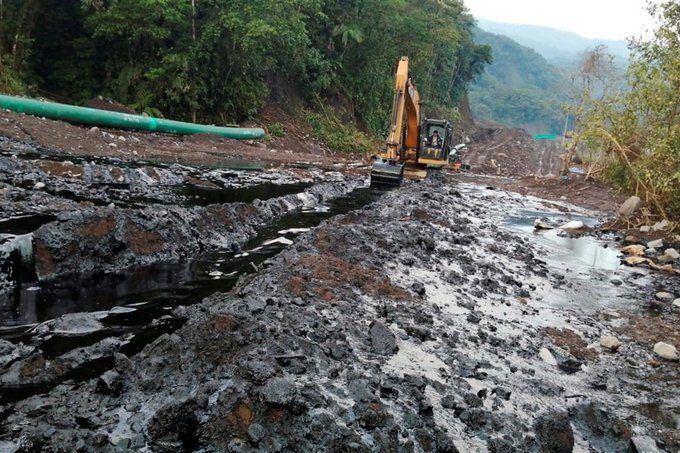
(148, 293)
(584, 251)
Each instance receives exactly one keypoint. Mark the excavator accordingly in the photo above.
(411, 147)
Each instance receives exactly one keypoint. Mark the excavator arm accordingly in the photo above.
(403, 140)
(405, 123)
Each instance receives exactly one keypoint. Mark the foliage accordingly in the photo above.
(338, 135)
(519, 88)
(276, 130)
(216, 60)
(638, 129)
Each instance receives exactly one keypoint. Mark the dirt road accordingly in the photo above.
(282, 309)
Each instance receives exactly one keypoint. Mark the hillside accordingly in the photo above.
(520, 88)
(559, 47)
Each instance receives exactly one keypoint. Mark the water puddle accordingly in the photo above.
(583, 251)
(204, 196)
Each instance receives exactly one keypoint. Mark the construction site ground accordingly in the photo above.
(166, 293)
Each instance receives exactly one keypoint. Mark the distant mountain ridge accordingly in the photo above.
(557, 46)
(519, 88)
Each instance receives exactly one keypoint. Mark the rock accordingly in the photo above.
(610, 342)
(666, 259)
(280, 391)
(672, 253)
(645, 229)
(573, 225)
(371, 415)
(664, 296)
(666, 351)
(547, 356)
(554, 433)
(498, 445)
(541, 225)
(630, 206)
(644, 444)
(634, 250)
(72, 324)
(631, 239)
(473, 400)
(418, 288)
(256, 432)
(110, 383)
(676, 303)
(655, 244)
(475, 418)
(502, 393)
(39, 185)
(474, 317)
(93, 130)
(659, 226)
(383, 341)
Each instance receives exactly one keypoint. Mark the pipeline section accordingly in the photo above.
(105, 118)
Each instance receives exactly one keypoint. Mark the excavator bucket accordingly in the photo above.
(386, 174)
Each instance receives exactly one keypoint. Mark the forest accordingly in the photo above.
(218, 60)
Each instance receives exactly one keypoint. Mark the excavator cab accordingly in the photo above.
(435, 152)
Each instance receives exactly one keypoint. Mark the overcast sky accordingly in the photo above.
(603, 19)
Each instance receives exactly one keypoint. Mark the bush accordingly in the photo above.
(276, 130)
(338, 136)
(10, 83)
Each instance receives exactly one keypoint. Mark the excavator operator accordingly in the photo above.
(434, 140)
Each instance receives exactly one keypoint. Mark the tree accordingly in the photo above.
(591, 83)
(638, 129)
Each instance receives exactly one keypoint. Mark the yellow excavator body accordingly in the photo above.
(402, 153)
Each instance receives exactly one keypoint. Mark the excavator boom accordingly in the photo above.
(404, 134)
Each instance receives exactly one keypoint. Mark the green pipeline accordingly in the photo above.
(105, 118)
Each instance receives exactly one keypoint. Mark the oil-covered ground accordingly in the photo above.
(213, 309)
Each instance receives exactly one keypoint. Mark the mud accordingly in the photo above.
(414, 323)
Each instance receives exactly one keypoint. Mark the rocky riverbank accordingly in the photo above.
(429, 320)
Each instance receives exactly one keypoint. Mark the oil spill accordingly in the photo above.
(204, 196)
(24, 224)
(153, 291)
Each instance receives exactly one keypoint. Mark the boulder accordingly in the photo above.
(644, 444)
(660, 226)
(664, 296)
(655, 244)
(666, 351)
(573, 225)
(672, 253)
(383, 341)
(610, 342)
(278, 391)
(634, 250)
(676, 303)
(554, 433)
(547, 356)
(630, 206)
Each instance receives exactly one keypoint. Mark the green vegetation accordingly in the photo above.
(519, 88)
(338, 136)
(276, 130)
(216, 60)
(637, 131)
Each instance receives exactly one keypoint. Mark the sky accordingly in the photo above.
(599, 19)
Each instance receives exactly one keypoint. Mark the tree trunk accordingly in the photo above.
(23, 31)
